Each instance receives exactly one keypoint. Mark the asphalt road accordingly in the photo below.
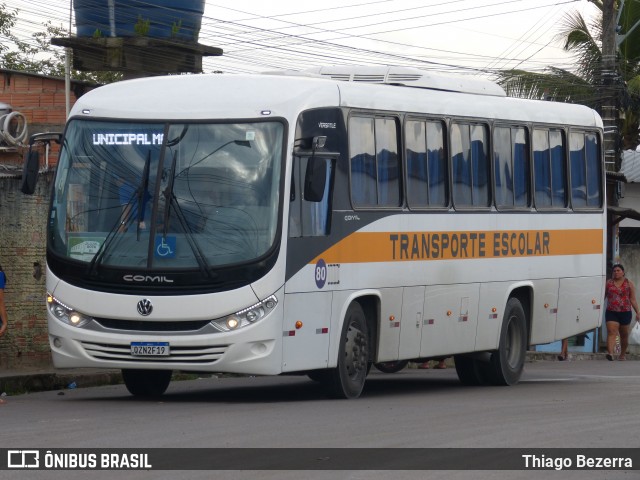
(580, 404)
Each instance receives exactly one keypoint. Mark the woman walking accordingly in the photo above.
(621, 297)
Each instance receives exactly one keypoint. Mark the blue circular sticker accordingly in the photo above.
(321, 273)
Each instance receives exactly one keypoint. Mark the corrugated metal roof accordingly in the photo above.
(630, 166)
(10, 170)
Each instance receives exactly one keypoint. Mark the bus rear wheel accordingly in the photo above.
(507, 363)
(391, 367)
(347, 379)
(471, 371)
(146, 383)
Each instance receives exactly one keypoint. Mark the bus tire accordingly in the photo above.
(391, 367)
(146, 383)
(471, 371)
(347, 379)
(507, 362)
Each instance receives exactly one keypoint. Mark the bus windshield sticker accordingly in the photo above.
(165, 247)
(84, 248)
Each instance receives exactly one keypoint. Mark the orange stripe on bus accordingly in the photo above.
(362, 247)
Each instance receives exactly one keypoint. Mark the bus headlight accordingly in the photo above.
(247, 316)
(66, 314)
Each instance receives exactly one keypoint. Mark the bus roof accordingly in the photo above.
(411, 77)
(227, 96)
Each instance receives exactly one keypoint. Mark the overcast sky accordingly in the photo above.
(462, 36)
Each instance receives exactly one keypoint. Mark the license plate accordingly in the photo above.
(149, 349)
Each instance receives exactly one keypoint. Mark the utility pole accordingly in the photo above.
(609, 81)
(609, 94)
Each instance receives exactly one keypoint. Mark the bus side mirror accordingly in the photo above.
(32, 162)
(30, 172)
(315, 179)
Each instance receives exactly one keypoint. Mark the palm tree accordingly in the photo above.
(585, 84)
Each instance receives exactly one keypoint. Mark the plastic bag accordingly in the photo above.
(634, 334)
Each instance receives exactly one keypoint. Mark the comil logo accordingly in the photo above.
(23, 459)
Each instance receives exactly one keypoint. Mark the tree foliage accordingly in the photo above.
(38, 55)
(588, 84)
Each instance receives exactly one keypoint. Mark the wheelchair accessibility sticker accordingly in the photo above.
(165, 247)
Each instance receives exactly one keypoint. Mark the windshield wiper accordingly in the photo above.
(121, 224)
(142, 194)
(169, 200)
(168, 195)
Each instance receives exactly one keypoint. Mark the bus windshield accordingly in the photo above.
(166, 196)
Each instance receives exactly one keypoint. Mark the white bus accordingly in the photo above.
(319, 224)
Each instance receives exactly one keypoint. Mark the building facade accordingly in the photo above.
(40, 102)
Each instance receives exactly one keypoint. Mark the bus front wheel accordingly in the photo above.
(146, 383)
(347, 379)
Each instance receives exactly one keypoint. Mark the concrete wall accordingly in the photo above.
(22, 243)
(630, 259)
(631, 199)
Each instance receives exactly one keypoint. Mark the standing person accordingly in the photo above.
(621, 297)
(4, 319)
(441, 365)
(564, 354)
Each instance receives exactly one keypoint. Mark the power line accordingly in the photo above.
(273, 48)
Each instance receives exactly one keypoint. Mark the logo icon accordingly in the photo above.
(145, 307)
(23, 459)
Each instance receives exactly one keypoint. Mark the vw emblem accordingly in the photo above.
(144, 307)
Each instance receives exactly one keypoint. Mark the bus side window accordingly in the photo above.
(578, 170)
(511, 160)
(557, 145)
(594, 175)
(311, 218)
(470, 165)
(426, 175)
(375, 162)
(550, 173)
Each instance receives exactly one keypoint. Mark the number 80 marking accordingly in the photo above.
(321, 273)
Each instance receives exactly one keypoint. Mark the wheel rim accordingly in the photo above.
(355, 351)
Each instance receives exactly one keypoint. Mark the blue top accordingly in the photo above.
(3, 280)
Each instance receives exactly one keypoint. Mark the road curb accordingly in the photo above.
(16, 383)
